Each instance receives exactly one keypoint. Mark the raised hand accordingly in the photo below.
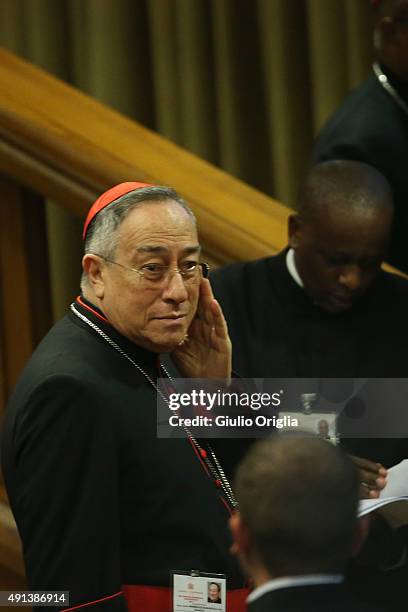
(206, 353)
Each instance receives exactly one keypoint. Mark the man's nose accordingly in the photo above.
(175, 288)
(351, 277)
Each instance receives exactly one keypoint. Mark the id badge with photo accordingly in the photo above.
(196, 591)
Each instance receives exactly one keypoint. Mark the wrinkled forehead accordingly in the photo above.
(158, 227)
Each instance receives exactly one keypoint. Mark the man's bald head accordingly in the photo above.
(344, 185)
(340, 234)
(298, 499)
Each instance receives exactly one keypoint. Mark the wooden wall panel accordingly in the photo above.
(25, 307)
(16, 332)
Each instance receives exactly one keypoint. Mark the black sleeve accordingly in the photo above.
(66, 494)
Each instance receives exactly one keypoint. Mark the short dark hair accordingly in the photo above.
(351, 186)
(298, 498)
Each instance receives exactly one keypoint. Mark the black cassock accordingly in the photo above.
(99, 501)
(277, 332)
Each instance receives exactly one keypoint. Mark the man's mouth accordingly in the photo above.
(345, 299)
(173, 319)
(341, 301)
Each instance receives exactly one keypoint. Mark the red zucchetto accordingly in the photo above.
(108, 197)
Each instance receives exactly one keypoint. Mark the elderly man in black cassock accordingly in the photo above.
(105, 509)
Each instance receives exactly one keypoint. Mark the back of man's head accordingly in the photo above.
(298, 502)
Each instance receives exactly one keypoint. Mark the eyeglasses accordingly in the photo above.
(155, 273)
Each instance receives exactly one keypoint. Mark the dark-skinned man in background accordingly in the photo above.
(323, 308)
(371, 125)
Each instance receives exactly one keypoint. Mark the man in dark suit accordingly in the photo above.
(297, 525)
(105, 509)
(372, 123)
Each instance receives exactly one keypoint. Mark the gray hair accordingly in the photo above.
(102, 236)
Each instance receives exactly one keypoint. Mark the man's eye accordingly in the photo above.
(152, 267)
(189, 266)
(153, 271)
(336, 260)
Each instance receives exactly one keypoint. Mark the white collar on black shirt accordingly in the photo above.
(291, 265)
(294, 581)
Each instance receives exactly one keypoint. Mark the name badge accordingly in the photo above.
(196, 591)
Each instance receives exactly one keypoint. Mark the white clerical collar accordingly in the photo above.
(291, 265)
(294, 581)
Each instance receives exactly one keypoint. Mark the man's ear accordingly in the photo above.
(294, 229)
(240, 535)
(93, 267)
(361, 530)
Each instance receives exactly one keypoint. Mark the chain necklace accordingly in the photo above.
(213, 465)
(383, 80)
